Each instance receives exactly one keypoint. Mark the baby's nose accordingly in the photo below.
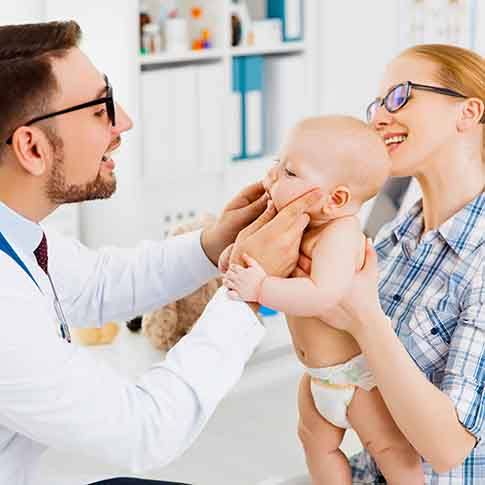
(269, 180)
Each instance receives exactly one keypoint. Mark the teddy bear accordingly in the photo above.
(165, 326)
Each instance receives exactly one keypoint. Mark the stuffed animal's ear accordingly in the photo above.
(134, 324)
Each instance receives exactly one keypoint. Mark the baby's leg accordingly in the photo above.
(321, 441)
(396, 458)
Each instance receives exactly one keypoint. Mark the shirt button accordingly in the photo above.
(434, 331)
(396, 297)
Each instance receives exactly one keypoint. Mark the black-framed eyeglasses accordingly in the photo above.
(399, 95)
(108, 100)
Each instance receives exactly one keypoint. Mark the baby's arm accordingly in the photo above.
(334, 262)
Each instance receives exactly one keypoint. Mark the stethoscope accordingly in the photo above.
(63, 326)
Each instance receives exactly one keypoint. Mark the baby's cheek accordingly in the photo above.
(290, 192)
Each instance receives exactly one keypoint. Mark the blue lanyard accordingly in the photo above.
(9, 251)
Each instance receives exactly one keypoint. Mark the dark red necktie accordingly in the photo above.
(41, 254)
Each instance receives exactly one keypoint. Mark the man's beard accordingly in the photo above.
(59, 192)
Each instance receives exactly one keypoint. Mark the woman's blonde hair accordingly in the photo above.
(459, 69)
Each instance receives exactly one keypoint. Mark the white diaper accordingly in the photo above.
(331, 401)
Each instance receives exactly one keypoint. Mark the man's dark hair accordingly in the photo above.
(27, 81)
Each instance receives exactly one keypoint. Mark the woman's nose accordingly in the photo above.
(382, 118)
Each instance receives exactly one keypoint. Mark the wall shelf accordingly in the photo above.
(218, 54)
(283, 48)
(181, 57)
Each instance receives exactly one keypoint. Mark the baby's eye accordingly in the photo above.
(289, 173)
(100, 113)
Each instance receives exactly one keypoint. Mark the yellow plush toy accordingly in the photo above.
(165, 326)
(96, 336)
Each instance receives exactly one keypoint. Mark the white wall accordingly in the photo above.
(357, 39)
(480, 27)
(21, 12)
(110, 39)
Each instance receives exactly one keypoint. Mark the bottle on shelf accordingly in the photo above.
(151, 39)
(240, 23)
(144, 19)
(202, 35)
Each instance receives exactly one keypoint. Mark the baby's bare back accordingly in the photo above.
(316, 343)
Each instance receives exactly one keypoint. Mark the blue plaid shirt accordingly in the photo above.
(433, 290)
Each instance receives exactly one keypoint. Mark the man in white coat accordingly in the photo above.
(58, 127)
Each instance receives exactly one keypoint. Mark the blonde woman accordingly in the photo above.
(417, 308)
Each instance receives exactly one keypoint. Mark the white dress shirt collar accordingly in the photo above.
(19, 231)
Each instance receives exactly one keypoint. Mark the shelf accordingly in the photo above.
(283, 48)
(218, 54)
(181, 57)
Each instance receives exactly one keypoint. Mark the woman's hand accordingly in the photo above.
(361, 306)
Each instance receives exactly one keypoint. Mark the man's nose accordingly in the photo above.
(123, 121)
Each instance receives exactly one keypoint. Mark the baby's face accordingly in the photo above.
(294, 174)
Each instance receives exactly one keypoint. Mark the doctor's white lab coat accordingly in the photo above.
(54, 394)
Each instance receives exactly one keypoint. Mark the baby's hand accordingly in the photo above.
(223, 263)
(245, 283)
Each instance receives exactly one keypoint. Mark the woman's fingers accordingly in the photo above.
(370, 261)
(305, 264)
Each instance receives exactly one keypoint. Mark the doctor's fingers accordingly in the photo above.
(252, 211)
(288, 239)
(262, 220)
(291, 214)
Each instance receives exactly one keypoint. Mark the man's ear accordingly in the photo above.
(32, 149)
(471, 113)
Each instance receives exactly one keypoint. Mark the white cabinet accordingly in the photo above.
(188, 114)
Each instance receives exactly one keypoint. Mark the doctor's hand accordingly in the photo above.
(273, 239)
(241, 211)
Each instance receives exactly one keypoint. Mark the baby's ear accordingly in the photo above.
(340, 197)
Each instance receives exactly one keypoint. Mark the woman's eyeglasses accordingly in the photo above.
(399, 95)
(108, 100)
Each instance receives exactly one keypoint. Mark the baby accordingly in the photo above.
(348, 161)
